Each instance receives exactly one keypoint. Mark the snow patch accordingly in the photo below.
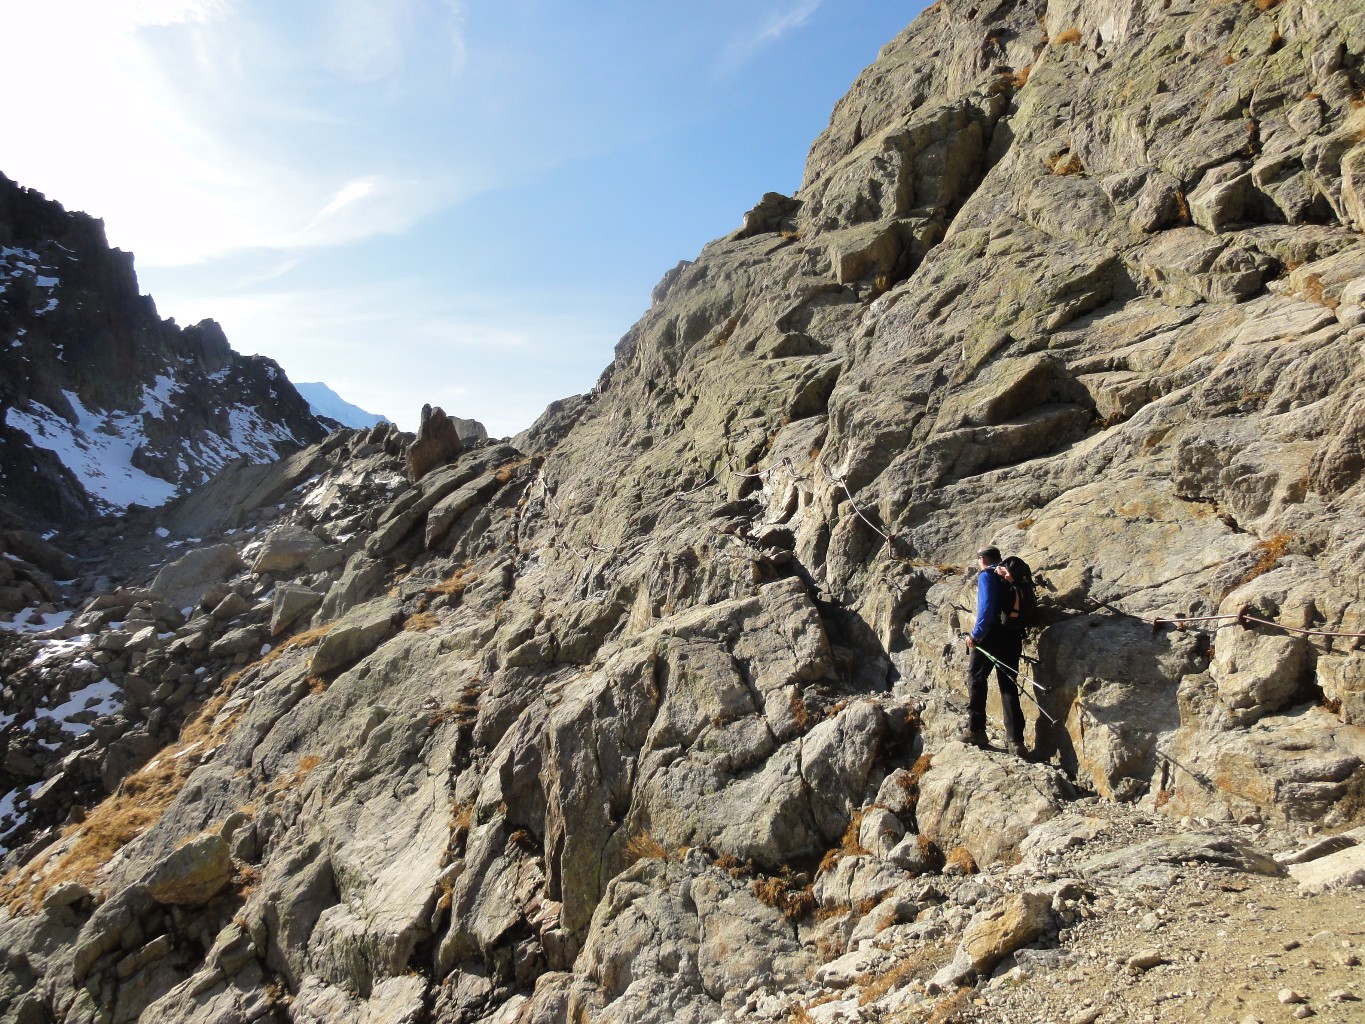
(38, 623)
(49, 649)
(11, 818)
(99, 698)
(98, 448)
(156, 396)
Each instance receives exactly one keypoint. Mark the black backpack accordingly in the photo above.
(1024, 589)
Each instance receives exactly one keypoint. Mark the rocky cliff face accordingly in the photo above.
(102, 403)
(647, 716)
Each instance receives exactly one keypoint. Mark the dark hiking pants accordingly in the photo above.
(1006, 648)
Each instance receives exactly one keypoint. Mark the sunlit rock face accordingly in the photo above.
(648, 714)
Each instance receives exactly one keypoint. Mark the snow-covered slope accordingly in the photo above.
(328, 404)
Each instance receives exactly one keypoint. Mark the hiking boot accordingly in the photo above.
(1017, 749)
(972, 737)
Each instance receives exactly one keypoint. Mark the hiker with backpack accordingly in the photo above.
(996, 641)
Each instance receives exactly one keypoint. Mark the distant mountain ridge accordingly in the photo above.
(103, 404)
(327, 404)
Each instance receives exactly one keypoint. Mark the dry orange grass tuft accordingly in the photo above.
(287, 783)
(246, 880)
(920, 768)
(447, 895)
(866, 905)
(800, 713)
(1265, 5)
(1268, 554)
(922, 961)
(930, 853)
(830, 913)
(946, 1011)
(1067, 36)
(848, 845)
(307, 638)
(1182, 208)
(643, 846)
(457, 582)
(461, 821)
(138, 804)
(961, 859)
(421, 622)
(1065, 164)
(781, 892)
(507, 470)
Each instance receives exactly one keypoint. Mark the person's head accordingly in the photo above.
(988, 557)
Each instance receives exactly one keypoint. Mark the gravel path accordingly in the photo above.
(1189, 942)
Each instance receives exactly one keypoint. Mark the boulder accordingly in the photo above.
(356, 635)
(1300, 766)
(446, 511)
(193, 874)
(438, 441)
(994, 934)
(32, 548)
(358, 582)
(142, 640)
(1342, 680)
(247, 640)
(1335, 862)
(1155, 864)
(1221, 197)
(1257, 673)
(284, 549)
(987, 802)
(291, 601)
(183, 582)
(683, 941)
(880, 831)
(230, 607)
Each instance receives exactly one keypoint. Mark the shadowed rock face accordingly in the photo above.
(103, 403)
(586, 727)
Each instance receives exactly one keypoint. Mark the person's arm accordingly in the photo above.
(987, 604)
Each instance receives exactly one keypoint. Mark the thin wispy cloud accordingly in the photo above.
(777, 24)
(171, 12)
(352, 193)
(368, 39)
(455, 19)
(271, 272)
(219, 131)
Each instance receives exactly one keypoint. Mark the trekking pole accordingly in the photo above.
(1019, 677)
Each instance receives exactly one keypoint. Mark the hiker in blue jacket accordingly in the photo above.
(993, 635)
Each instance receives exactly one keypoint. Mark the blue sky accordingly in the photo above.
(463, 202)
